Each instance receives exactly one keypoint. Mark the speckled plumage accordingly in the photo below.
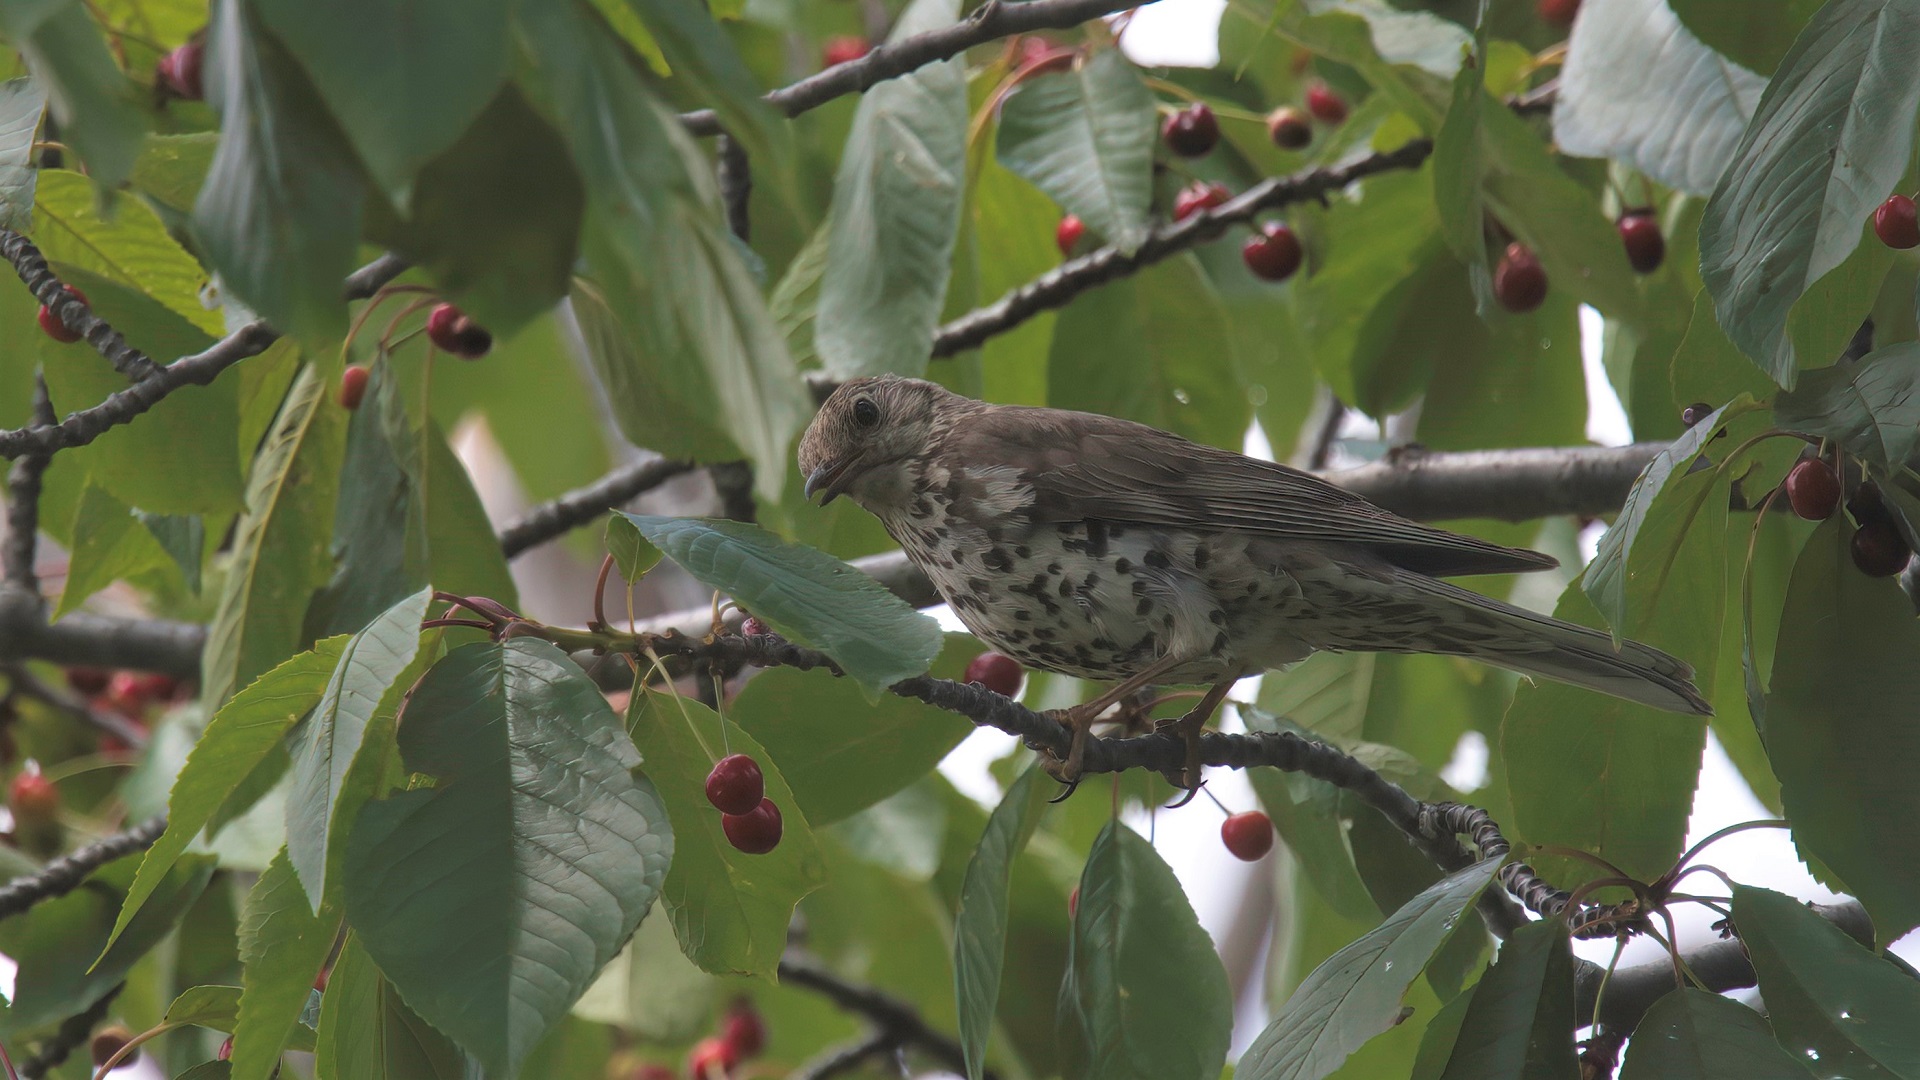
(1105, 549)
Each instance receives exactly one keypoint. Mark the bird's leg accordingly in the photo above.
(1189, 727)
(1079, 719)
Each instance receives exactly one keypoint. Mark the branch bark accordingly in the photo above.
(64, 875)
(582, 505)
(23, 506)
(71, 310)
(898, 1023)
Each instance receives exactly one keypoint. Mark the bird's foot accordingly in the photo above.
(1189, 777)
(1079, 721)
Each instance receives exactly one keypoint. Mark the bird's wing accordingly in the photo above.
(1086, 467)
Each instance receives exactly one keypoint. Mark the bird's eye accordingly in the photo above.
(865, 412)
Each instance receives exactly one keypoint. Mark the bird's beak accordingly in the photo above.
(826, 478)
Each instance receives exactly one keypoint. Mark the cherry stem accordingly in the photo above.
(1217, 802)
(476, 624)
(1715, 837)
(600, 591)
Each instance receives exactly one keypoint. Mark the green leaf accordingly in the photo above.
(1357, 993)
(129, 246)
(840, 752)
(1830, 139)
(1305, 811)
(1833, 1003)
(283, 945)
(1085, 137)
(980, 922)
(1639, 88)
(341, 749)
(171, 168)
(279, 547)
(630, 550)
(97, 107)
(208, 1070)
(1408, 56)
(1729, 27)
(1695, 1035)
(498, 236)
(1520, 1024)
(1459, 159)
(808, 596)
(465, 556)
(652, 990)
(183, 539)
(21, 103)
(1012, 227)
(1869, 407)
(730, 910)
(1840, 706)
(1137, 957)
(896, 214)
(279, 215)
(109, 545)
(403, 77)
(1154, 347)
(215, 1007)
(241, 735)
(368, 1033)
(492, 900)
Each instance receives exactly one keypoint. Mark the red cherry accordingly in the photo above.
(1640, 233)
(756, 832)
(225, 1053)
(1895, 222)
(1813, 490)
(108, 1042)
(844, 49)
(712, 1059)
(997, 672)
(1191, 132)
(449, 328)
(1198, 196)
(52, 324)
(1325, 104)
(1289, 128)
(1073, 903)
(33, 798)
(736, 784)
(87, 682)
(179, 71)
(1695, 413)
(1068, 233)
(353, 386)
(744, 1029)
(127, 695)
(1879, 550)
(1274, 255)
(320, 980)
(1248, 835)
(1558, 12)
(1520, 282)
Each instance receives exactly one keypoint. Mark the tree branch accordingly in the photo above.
(843, 1059)
(71, 310)
(994, 19)
(23, 507)
(736, 187)
(582, 505)
(73, 1033)
(898, 1023)
(112, 723)
(64, 875)
(81, 428)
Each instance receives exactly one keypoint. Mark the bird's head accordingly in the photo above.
(865, 432)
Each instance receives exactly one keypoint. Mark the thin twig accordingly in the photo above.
(71, 310)
(582, 505)
(736, 186)
(898, 1023)
(104, 720)
(845, 1058)
(23, 506)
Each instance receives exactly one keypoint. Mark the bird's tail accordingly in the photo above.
(1510, 637)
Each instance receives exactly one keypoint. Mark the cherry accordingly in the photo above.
(33, 798)
(353, 386)
(225, 1053)
(1198, 196)
(736, 785)
(1326, 105)
(745, 1029)
(1073, 903)
(1068, 233)
(1894, 221)
(1191, 132)
(752, 627)
(449, 328)
(1558, 12)
(320, 980)
(997, 672)
(54, 326)
(1248, 835)
(1520, 282)
(844, 49)
(127, 694)
(180, 70)
(1813, 490)
(109, 1041)
(1879, 550)
(712, 1059)
(1289, 128)
(1695, 413)
(755, 832)
(1274, 255)
(1640, 233)
(87, 682)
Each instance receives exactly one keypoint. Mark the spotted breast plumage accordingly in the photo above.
(1110, 550)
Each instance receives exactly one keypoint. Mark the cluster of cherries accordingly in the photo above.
(1878, 548)
(450, 329)
(1247, 835)
(742, 1036)
(738, 789)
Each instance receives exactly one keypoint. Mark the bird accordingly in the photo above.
(1105, 549)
